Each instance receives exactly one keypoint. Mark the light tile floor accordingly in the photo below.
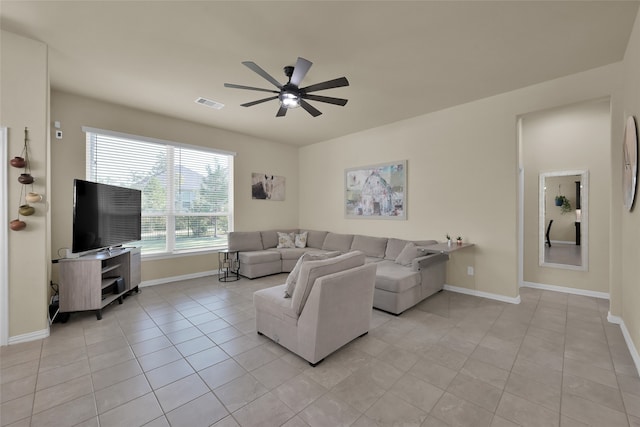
(187, 354)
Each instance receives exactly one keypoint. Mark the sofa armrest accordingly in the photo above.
(424, 262)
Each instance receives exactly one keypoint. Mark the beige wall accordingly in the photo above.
(626, 303)
(24, 103)
(573, 137)
(462, 175)
(253, 155)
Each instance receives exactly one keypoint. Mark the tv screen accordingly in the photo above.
(104, 215)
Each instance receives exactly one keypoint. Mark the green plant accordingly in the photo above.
(448, 237)
(566, 206)
(560, 200)
(459, 238)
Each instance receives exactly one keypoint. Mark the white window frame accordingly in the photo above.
(171, 213)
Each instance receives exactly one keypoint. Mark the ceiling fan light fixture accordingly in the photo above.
(289, 100)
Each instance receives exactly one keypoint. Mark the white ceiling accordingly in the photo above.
(403, 59)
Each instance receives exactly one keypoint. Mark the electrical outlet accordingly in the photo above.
(469, 270)
(58, 134)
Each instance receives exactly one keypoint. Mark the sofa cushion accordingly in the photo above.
(292, 278)
(270, 237)
(408, 254)
(258, 257)
(394, 247)
(245, 241)
(290, 253)
(315, 239)
(301, 239)
(337, 242)
(311, 270)
(371, 246)
(396, 278)
(286, 240)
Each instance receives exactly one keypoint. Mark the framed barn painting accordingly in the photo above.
(265, 186)
(377, 191)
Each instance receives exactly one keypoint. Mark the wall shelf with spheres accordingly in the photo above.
(25, 179)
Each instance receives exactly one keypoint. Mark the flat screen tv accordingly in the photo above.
(104, 216)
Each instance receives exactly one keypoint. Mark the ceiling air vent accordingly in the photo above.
(209, 103)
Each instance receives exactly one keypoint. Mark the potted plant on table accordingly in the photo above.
(459, 240)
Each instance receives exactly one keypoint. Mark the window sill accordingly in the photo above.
(167, 255)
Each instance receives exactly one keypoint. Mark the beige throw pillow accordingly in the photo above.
(300, 240)
(408, 254)
(286, 240)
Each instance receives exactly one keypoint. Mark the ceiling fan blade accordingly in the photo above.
(256, 68)
(327, 99)
(234, 86)
(281, 111)
(259, 101)
(330, 84)
(299, 71)
(310, 108)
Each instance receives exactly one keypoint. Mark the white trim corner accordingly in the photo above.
(633, 350)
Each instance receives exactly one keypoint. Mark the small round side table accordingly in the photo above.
(228, 266)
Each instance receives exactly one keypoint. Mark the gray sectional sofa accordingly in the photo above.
(404, 274)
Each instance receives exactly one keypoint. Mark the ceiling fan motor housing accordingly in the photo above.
(288, 71)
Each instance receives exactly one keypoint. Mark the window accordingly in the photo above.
(187, 192)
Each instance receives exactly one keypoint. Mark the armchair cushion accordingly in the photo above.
(311, 270)
(270, 301)
(292, 279)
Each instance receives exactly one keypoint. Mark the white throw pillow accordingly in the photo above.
(286, 240)
(408, 254)
(301, 240)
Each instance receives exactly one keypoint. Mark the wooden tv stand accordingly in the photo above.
(90, 282)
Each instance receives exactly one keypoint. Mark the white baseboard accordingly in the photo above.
(564, 242)
(31, 336)
(554, 288)
(627, 339)
(482, 294)
(176, 278)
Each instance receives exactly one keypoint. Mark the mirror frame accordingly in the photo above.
(584, 219)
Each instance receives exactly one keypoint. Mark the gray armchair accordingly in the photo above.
(330, 306)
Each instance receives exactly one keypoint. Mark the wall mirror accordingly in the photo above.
(564, 219)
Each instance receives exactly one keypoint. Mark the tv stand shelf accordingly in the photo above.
(109, 268)
(90, 282)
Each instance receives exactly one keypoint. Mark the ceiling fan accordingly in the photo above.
(291, 95)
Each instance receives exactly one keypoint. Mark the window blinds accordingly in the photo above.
(187, 191)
